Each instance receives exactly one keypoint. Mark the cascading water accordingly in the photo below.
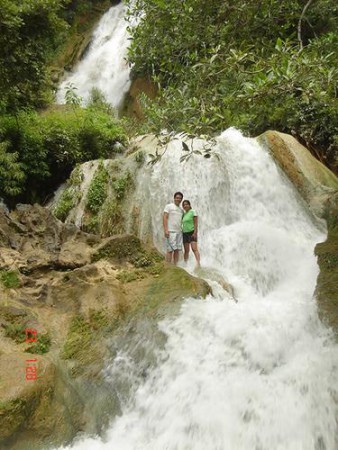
(104, 66)
(260, 374)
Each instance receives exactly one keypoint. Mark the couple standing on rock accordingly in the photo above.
(180, 225)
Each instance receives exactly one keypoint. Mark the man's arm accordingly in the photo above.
(165, 224)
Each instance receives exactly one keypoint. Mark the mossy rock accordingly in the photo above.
(327, 282)
(174, 284)
(122, 247)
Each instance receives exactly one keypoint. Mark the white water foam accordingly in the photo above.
(104, 66)
(260, 374)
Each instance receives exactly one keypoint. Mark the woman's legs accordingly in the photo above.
(194, 248)
(186, 251)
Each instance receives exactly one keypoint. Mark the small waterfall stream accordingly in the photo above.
(104, 66)
(260, 374)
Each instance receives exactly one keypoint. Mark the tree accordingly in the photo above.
(223, 63)
(28, 32)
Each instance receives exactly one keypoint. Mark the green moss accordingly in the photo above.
(9, 278)
(97, 192)
(65, 204)
(139, 157)
(122, 185)
(75, 178)
(91, 225)
(126, 276)
(111, 219)
(12, 413)
(327, 282)
(140, 272)
(15, 331)
(119, 247)
(78, 339)
(99, 319)
(173, 284)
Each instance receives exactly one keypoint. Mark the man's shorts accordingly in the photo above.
(174, 241)
(187, 237)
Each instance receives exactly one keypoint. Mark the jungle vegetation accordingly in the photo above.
(40, 143)
(255, 65)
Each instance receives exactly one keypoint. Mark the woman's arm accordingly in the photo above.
(195, 226)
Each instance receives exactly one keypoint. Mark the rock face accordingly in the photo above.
(319, 188)
(314, 181)
(132, 107)
(65, 296)
(327, 283)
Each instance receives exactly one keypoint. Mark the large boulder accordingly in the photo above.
(314, 181)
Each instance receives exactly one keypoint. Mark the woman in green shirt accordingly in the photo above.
(189, 229)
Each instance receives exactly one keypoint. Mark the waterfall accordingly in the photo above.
(104, 66)
(260, 374)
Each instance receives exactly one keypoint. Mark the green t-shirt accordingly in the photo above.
(188, 221)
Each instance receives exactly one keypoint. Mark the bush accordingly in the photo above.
(41, 346)
(41, 150)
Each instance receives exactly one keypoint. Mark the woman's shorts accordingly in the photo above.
(174, 241)
(187, 237)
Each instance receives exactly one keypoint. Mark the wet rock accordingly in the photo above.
(314, 181)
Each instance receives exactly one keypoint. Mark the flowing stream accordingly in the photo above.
(259, 374)
(104, 66)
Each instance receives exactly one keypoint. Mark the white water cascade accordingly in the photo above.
(260, 374)
(104, 66)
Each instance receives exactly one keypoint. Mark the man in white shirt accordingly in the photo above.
(172, 225)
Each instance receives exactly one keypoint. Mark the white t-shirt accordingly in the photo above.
(175, 214)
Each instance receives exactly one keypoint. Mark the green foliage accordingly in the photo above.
(99, 102)
(79, 338)
(219, 64)
(11, 171)
(105, 198)
(139, 157)
(122, 184)
(39, 151)
(65, 204)
(126, 276)
(110, 218)
(9, 278)
(97, 192)
(28, 34)
(41, 346)
(16, 331)
(71, 96)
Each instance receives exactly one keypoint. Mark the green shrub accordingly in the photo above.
(39, 151)
(122, 184)
(9, 278)
(41, 346)
(16, 331)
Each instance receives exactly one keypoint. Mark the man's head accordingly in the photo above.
(178, 197)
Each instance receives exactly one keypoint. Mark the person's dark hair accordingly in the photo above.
(178, 193)
(186, 201)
